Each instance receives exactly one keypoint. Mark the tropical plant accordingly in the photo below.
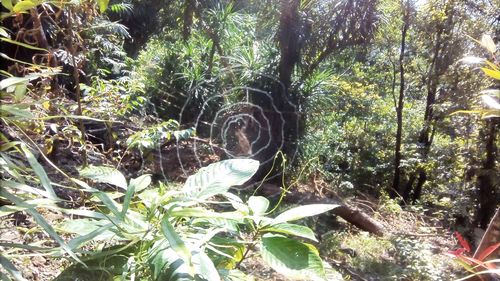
(478, 264)
(174, 234)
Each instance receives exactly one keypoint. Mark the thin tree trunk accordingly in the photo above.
(189, 7)
(72, 46)
(399, 109)
(488, 195)
(439, 64)
(288, 38)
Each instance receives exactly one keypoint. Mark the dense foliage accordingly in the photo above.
(179, 140)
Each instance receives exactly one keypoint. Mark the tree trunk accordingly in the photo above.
(399, 109)
(189, 7)
(487, 178)
(438, 66)
(288, 39)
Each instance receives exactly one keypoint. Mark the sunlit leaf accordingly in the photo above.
(490, 102)
(23, 6)
(104, 174)
(292, 229)
(218, 177)
(103, 5)
(3, 32)
(303, 211)
(258, 204)
(487, 42)
(175, 241)
(495, 74)
(472, 60)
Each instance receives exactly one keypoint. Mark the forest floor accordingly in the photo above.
(412, 247)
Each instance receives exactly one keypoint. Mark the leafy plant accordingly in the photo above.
(157, 135)
(174, 234)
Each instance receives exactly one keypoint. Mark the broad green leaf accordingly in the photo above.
(203, 213)
(258, 205)
(103, 5)
(205, 267)
(218, 177)
(23, 6)
(303, 211)
(225, 252)
(175, 240)
(220, 223)
(141, 183)
(85, 227)
(237, 203)
(292, 229)
(20, 92)
(16, 111)
(166, 264)
(11, 269)
(91, 236)
(104, 174)
(292, 258)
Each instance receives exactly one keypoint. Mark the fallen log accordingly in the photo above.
(352, 215)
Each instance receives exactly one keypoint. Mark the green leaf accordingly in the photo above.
(11, 269)
(104, 174)
(495, 74)
(202, 213)
(141, 183)
(292, 258)
(3, 31)
(98, 230)
(292, 229)
(303, 211)
(8, 40)
(103, 197)
(218, 177)
(40, 222)
(40, 172)
(23, 6)
(205, 267)
(135, 185)
(175, 240)
(103, 5)
(258, 205)
(91, 236)
(166, 264)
